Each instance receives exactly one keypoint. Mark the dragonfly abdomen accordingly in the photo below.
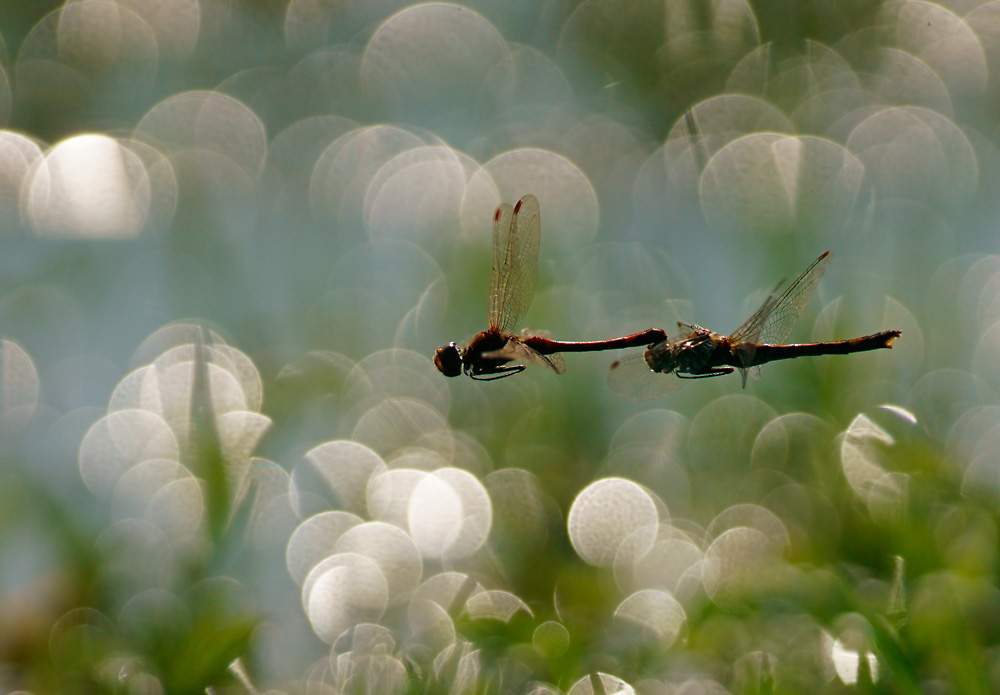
(754, 354)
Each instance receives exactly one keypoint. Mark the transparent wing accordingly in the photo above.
(517, 351)
(516, 234)
(502, 219)
(774, 320)
(631, 378)
(752, 372)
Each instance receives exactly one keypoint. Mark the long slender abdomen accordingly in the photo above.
(754, 354)
(547, 346)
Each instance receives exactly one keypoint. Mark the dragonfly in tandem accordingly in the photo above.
(498, 351)
(700, 353)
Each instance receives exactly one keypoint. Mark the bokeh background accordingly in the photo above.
(233, 234)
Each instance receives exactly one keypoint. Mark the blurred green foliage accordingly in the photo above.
(234, 232)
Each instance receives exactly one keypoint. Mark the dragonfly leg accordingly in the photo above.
(499, 373)
(721, 371)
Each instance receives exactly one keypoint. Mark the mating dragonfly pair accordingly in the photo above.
(699, 353)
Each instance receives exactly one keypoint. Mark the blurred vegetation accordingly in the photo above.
(235, 232)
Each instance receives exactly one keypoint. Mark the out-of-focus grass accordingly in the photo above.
(234, 234)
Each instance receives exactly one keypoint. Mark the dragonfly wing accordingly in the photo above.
(631, 378)
(502, 218)
(750, 329)
(555, 362)
(516, 235)
(774, 320)
(517, 351)
(752, 372)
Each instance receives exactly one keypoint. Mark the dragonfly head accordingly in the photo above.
(660, 357)
(448, 359)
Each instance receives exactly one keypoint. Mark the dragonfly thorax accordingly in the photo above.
(690, 354)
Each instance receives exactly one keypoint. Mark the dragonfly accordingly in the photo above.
(700, 353)
(499, 351)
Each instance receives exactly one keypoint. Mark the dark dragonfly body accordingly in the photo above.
(700, 353)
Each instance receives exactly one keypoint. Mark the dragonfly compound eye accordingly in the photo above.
(448, 360)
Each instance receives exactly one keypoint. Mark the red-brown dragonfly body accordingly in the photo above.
(490, 354)
(700, 353)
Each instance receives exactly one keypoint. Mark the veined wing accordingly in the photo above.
(516, 234)
(774, 320)
(632, 379)
(517, 351)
